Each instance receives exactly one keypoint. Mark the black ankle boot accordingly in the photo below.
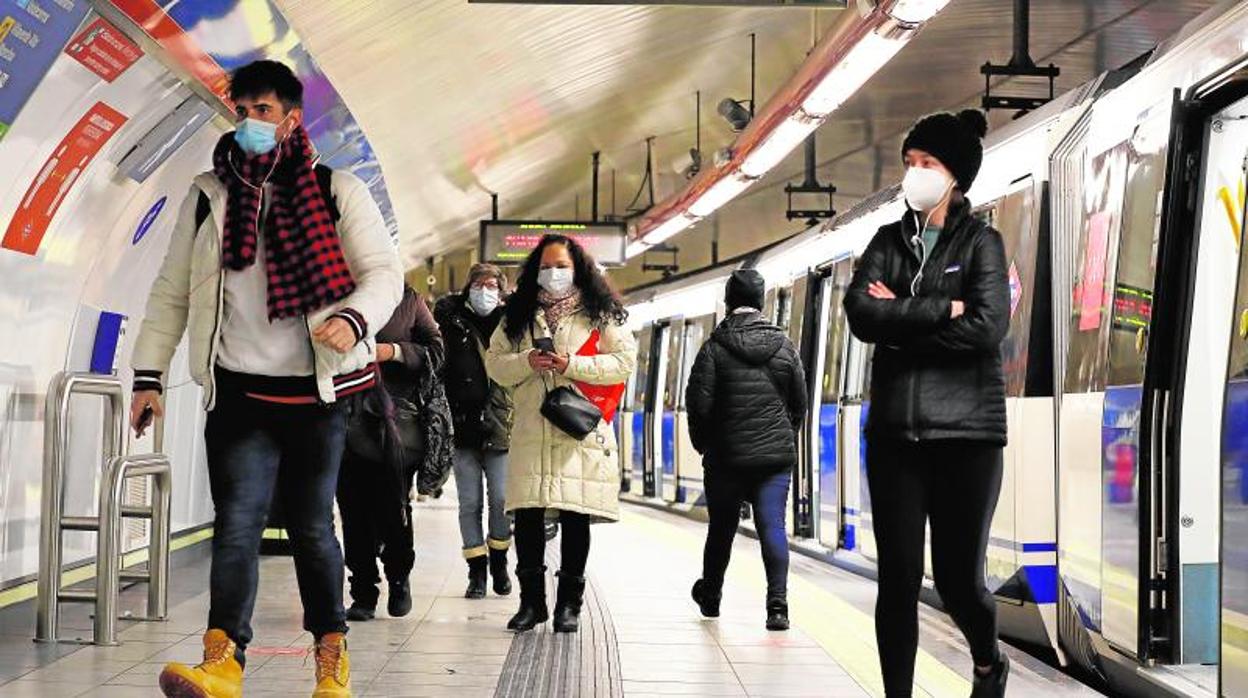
(992, 684)
(359, 612)
(568, 603)
(777, 613)
(498, 570)
(706, 599)
(400, 602)
(532, 600)
(476, 578)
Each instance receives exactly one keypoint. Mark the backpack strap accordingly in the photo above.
(202, 208)
(325, 178)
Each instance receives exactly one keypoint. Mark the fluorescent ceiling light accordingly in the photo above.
(719, 194)
(670, 227)
(635, 248)
(852, 72)
(916, 11)
(778, 144)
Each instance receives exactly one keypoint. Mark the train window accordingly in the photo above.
(1013, 217)
(1094, 273)
(797, 310)
(784, 307)
(672, 387)
(1132, 300)
(836, 332)
(697, 331)
(641, 386)
(771, 305)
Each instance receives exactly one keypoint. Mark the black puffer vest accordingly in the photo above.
(934, 377)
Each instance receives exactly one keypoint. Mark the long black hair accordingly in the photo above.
(598, 298)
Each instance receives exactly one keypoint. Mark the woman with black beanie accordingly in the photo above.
(931, 292)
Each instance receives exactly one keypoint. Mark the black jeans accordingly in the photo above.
(767, 492)
(374, 524)
(530, 538)
(955, 485)
(254, 450)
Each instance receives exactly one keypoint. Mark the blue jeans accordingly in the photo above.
(479, 474)
(768, 494)
(254, 450)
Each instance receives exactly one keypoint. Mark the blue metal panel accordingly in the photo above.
(639, 450)
(1042, 580)
(669, 443)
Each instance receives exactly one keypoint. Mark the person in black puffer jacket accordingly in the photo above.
(746, 400)
(932, 293)
(483, 417)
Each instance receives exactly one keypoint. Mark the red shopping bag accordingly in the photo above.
(605, 397)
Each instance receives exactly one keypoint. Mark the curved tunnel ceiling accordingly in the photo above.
(460, 99)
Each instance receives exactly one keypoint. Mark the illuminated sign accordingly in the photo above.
(510, 242)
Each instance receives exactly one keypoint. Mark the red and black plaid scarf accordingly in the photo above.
(305, 264)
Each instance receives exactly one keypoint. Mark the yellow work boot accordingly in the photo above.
(333, 667)
(218, 676)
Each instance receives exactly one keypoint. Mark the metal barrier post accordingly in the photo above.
(62, 388)
(107, 524)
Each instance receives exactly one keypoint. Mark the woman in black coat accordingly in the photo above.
(398, 430)
(746, 400)
(931, 292)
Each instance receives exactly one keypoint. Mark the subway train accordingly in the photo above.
(1120, 543)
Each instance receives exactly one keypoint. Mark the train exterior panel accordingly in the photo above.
(1122, 208)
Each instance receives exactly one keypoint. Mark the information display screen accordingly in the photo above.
(510, 242)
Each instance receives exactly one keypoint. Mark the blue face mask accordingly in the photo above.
(256, 137)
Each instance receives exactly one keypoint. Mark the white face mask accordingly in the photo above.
(925, 188)
(483, 300)
(555, 280)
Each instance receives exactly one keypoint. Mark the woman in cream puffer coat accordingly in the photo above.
(560, 296)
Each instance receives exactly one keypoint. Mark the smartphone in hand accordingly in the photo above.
(545, 345)
(145, 420)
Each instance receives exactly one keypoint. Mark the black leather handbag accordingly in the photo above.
(570, 412)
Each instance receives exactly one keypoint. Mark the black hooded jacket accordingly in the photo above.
(934, 377)
(747, 396)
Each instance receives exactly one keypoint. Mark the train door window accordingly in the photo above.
(784, 307)
(835, 332)
(673, 388)
(641, 385)
(1094, 273)
(797, 312)
(1014, 217)
(697, 331)
(771, 305)
(1132, 301)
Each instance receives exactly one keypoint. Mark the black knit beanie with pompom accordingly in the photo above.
(954, 139)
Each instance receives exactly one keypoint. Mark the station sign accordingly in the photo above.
(508, 243)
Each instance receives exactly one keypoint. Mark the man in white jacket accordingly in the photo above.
(279, 271)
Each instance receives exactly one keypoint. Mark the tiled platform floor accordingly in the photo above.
(449, 646)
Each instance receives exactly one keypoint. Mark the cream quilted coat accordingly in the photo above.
(546, 467)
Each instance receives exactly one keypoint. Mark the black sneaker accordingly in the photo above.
(400, 603)
(992, 684)
(360, 613)
(707, 602)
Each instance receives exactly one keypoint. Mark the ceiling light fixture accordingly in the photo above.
(836, 69)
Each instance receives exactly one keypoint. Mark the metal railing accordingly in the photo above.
(54, 522)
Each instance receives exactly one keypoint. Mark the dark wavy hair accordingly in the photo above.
(598, 298)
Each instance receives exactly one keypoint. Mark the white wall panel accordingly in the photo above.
(87, 263)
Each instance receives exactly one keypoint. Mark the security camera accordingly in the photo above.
(688, 164)
(735, 113)
(722, 157)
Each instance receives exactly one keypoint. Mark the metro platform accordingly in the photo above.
(641, 635)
